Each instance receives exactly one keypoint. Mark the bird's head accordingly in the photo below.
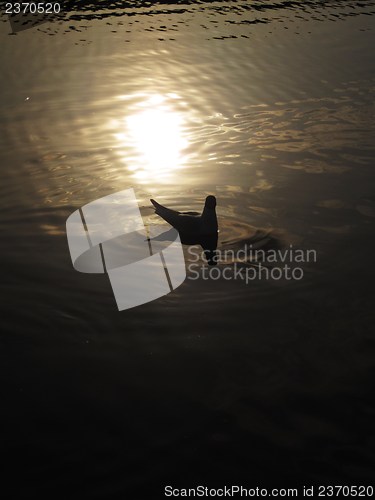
(210, 202)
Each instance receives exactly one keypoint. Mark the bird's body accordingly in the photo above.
(194, 229)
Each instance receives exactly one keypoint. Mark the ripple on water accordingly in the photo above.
(222, 20)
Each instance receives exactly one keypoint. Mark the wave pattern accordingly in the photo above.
(222, 19)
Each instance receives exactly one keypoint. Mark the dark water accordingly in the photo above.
(267, 105)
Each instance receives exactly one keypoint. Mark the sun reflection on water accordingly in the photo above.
(152, 138)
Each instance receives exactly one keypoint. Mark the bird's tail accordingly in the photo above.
(155, 203)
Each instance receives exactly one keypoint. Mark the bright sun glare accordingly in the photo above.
(155, 134)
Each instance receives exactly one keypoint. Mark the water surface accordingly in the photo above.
(270, 107)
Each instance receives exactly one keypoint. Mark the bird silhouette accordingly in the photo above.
(194, 228)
